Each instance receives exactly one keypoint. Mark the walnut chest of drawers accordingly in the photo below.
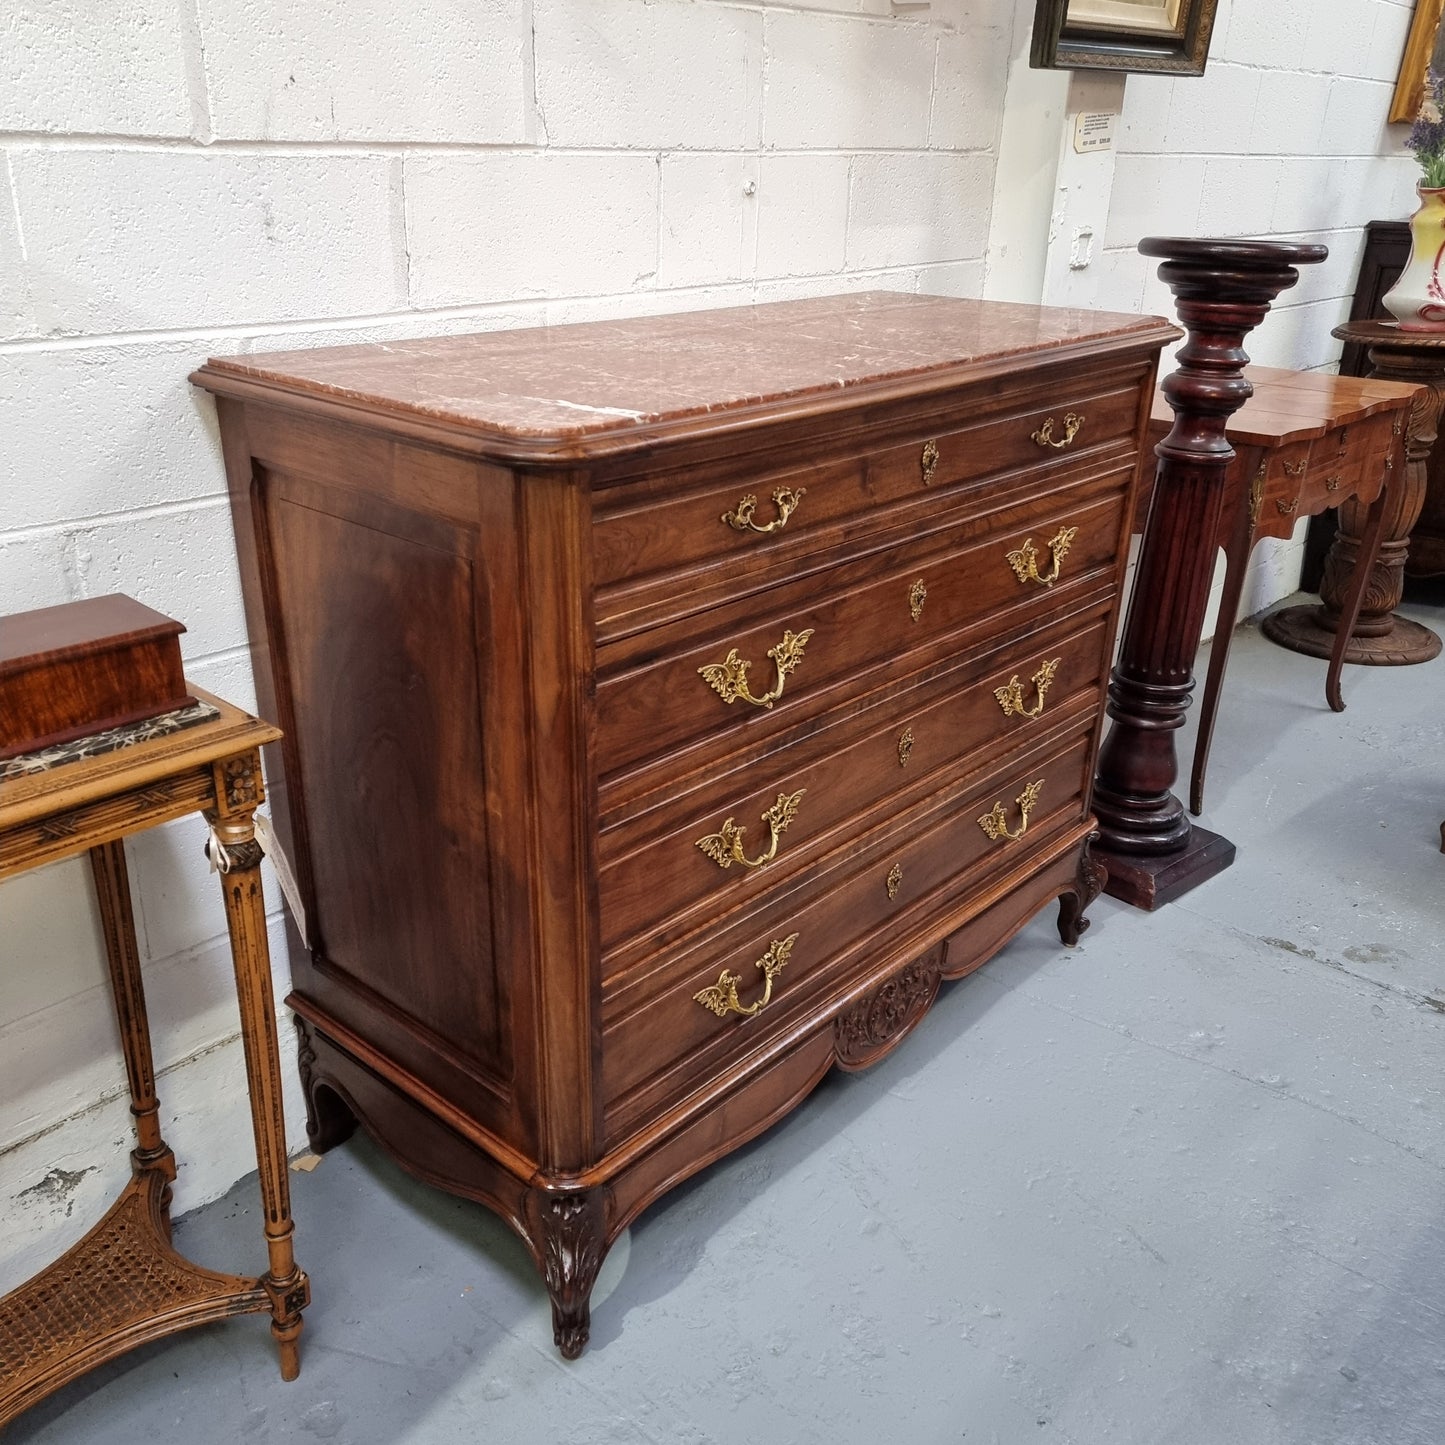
(669, 705)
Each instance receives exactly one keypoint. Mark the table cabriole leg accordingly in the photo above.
(284, 1282)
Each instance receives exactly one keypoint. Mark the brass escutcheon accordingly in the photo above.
(786, 500)
(995, 822)
(929, 460)
(917, 596)
(1045, 434)
(722, 997)
(729, 678)
(1256, 494)
(1011, 696)
(894, 880)
(728, 845)
(1025, 560)
(905, 747)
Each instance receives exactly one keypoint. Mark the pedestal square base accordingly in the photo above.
(1150, 882)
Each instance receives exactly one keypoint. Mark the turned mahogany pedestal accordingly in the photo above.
(1223, 290)
(1379, 638)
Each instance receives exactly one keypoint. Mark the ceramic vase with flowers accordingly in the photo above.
(1417, 299)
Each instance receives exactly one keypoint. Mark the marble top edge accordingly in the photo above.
(566, 382)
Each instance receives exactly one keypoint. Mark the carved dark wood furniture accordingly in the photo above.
(1303, 443)
(124, 1284)
(1380, 638)
(1223, 290)
(667, 702)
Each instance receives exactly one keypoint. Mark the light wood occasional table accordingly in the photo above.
(124, 1284)
(1379, 638)
(1303, 443)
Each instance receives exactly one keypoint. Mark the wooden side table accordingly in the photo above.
(1379, 638)
(1303, 443)
(124, 1284)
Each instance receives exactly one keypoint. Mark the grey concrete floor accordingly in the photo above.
(1181, 1184)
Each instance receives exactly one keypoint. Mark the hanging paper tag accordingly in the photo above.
(271, 847)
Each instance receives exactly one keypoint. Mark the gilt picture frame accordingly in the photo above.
(1422, 49)
(1159, 37)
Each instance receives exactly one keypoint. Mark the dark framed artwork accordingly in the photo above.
(1169, 37)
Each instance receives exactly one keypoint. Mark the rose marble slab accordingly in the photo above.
(568, 384)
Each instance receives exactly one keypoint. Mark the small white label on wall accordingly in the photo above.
(1094, 130)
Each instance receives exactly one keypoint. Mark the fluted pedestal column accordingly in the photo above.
(1223, 290)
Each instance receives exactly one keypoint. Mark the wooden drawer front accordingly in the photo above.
(902, 887)
(656, 882)
(875, 613)
(1354, 457)
(647, 530)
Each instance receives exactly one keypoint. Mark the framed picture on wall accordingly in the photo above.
(1422, 50)
(1156, 36)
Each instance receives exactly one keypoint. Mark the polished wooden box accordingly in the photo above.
(83, 667)
(670, 705)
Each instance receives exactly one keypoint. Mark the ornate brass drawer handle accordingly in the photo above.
(786, 499)
(995, 823)
(728, 845)
(722, 997)
(1011, 697)
(1025, 561)
(1073, 420)
(1286, 509)
(1332, 484)
(928, 462)
(1295, 469)
(729, 678)
(905, 747)
(917, 596)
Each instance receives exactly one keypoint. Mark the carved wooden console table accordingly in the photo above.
(1380, 637)
(124, 1284)
(708, 672)
(1304, 442)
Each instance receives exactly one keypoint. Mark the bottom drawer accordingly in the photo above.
(671, 1029)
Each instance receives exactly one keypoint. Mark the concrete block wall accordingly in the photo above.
(1285, 135)
(184, 178)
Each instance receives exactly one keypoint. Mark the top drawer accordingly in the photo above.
(768, 517)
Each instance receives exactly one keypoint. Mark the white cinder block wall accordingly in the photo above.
(183, 178)
(1284, 135)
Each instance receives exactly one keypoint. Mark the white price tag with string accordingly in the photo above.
(271, 847)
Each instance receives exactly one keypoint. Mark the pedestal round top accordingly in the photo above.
(1389, 335)
(1220, 251)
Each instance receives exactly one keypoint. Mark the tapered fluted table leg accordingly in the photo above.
(283, 1281)
(1223, 289)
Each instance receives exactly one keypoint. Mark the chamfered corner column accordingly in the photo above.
(1223, 290)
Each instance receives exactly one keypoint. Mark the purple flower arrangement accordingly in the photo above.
(1427, 135)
